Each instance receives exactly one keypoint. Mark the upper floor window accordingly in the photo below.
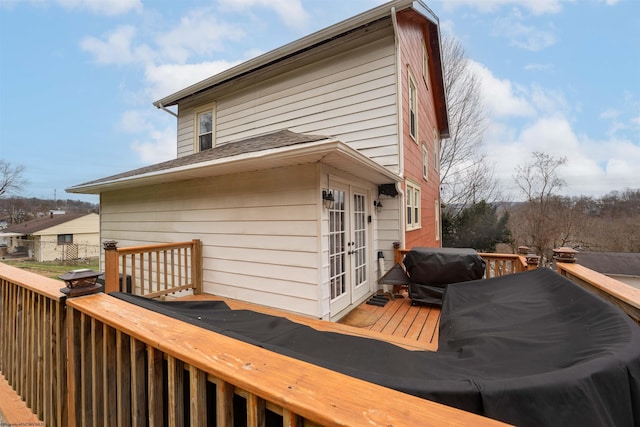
(425, 162)
(413, 108)
(413, 206)
(425, 64)
(65, 239)
(205, 130)
(436, 150)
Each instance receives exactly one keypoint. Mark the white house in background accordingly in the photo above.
(55, 237)
(300, 168)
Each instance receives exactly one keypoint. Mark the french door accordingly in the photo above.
(348, 247)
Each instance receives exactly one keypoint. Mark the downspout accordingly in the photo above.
(396, 33)
(162, 107)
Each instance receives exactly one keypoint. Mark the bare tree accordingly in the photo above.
(10, 177)
(539, 182)
(465, 175)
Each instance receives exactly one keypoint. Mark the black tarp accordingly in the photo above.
(531, 349)
(430, 270)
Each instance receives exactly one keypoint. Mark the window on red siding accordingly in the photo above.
(413, 108)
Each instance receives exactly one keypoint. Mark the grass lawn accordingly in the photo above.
(50, 269)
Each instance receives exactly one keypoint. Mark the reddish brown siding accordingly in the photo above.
(412, 31)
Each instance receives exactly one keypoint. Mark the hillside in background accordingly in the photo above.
(14, 210)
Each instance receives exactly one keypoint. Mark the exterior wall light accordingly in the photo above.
(377, 204)
(327, 199)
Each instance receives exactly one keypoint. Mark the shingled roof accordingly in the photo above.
(278, 139)
(623, 263)
(39, 224)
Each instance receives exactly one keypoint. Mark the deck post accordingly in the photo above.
(196, 266)
(111, 275)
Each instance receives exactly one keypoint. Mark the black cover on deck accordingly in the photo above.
(431, 269)
(531, 349)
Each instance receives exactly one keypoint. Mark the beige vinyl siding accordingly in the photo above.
(349, 95)
(259, 231)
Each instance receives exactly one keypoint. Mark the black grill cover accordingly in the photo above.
(531, 349)
(432, 269)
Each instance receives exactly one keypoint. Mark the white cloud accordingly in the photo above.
(103, 7)
(537, 7)
(166, 79)
(521, 34)
(290, 12)
(159, 146)
(179, 43)
(538, 67)
(114, 49)
(501, 97)
(154, 135)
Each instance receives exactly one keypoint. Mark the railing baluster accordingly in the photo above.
(176, 389)
(123, 375)
(98, 395)
(138, 389)
(155, 395)
(197, 395)
(224, 403)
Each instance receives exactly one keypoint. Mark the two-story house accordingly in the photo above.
(300, 168)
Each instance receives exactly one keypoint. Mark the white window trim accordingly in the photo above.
(413, 200)
(211, 107)
(413, 105)
(425, 162)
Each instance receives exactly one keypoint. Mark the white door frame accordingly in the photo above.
(350, 246)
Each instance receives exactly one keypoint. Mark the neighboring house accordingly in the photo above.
(56, 237)
(622, 266)
(353, 114)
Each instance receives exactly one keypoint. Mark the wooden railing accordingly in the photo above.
(125, 356)
(33, 347)
(624, 296)
(496, 264)
(154, 270)
(503, 264)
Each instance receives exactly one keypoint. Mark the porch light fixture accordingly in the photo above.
(377, 204)
(327, 199)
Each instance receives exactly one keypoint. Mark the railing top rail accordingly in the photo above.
(45, 286)
(493, 255)
(318, 394)
(153, 248)
(616, 288)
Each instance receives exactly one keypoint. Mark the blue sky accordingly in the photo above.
(78, 78)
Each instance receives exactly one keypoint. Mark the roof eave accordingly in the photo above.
(289, 49)
(327, 151)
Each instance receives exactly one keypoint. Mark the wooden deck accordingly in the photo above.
(399, 319)
(398, 322)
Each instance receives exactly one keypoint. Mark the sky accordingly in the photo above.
(78, 78)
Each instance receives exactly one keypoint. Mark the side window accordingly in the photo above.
(425, 162)
(436, 150)
(205, 130)
(205, 127)
(413, 108)
(413, 206)
(65, 239)
(437, 216)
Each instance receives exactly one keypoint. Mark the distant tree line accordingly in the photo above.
(14, 210)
